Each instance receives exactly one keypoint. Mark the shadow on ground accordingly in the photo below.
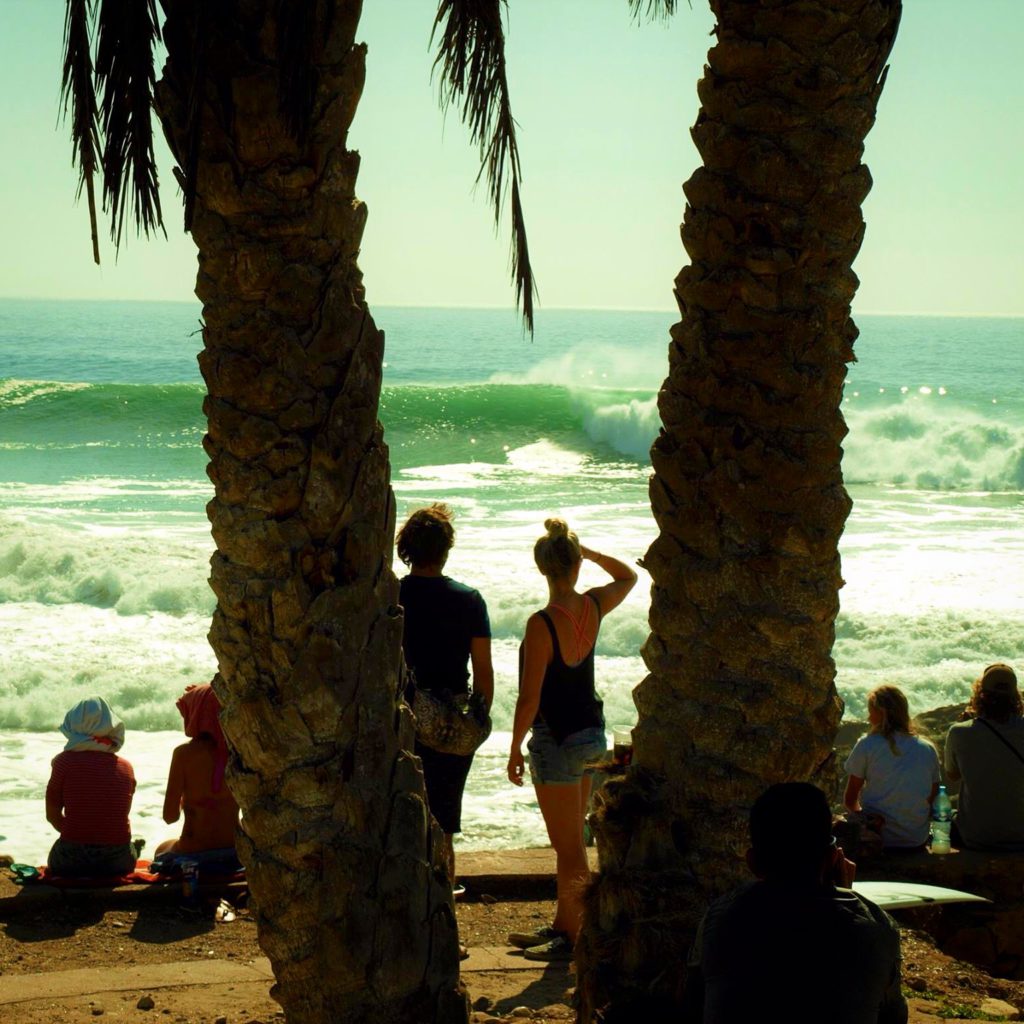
(59, 923)
(170, 924)
(555, 984)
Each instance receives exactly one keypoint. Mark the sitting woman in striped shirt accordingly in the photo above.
(195, 784)
(89, 796)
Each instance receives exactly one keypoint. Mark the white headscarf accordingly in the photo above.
(90, 725)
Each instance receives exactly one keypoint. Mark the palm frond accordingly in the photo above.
(76, 90)
(127, 33)
(471, 56)
(655, 8)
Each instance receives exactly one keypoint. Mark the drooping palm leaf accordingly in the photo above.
(471, 56)
(127, 34)
(76, 89)
(655, 8)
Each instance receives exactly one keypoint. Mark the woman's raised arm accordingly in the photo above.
(611, 595)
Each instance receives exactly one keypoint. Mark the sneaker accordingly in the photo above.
(559, 949)
(524, 940)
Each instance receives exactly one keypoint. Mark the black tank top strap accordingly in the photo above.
(597, 605)
(554, 636)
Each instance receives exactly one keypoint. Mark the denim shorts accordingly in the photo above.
(565, 763)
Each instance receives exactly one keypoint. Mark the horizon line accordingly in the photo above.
(500, 308)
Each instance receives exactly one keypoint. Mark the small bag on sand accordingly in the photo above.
(450, 723)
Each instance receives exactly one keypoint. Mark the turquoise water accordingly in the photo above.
(104, 544)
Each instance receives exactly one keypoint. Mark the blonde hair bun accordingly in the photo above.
(556, 527)
(557, 553)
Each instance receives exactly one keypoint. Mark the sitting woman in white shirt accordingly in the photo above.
(893, 773)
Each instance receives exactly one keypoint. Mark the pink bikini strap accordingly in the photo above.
(577, 625)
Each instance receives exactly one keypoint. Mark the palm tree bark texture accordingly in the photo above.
(747, 487)
(351, 900)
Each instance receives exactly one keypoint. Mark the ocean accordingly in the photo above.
(104, 542)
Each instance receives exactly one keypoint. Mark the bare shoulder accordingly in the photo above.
(190, 753)
(538, 636)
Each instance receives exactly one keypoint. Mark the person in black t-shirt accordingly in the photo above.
(446, 630)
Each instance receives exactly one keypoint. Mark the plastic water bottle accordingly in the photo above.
(942, 820)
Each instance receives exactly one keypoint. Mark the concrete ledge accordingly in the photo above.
(86, 981)
(524, 874)
(997, 876)
(94, 981)
(527, 874)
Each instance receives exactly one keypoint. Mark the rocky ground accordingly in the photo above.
(82, 934)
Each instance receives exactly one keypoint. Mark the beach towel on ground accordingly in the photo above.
(26, 874)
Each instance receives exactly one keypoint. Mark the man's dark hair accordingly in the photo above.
(995, 695)
(790, 830)
(427, 537)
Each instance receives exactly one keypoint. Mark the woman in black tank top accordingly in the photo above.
(559, 706)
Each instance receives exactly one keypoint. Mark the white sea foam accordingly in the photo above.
(104, 553)
(930, 443)
(119, 562)
(56, 656)
(592, 365)
(21, 392)
(542, 458)
(628, 427)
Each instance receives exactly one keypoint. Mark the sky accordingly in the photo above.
(604, 106)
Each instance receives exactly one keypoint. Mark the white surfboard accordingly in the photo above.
(900, 895)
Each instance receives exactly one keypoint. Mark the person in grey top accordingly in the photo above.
(795, 945)
(985, 754)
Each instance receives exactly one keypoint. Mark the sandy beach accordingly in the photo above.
(109, 954)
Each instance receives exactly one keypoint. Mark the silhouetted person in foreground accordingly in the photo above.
(795, 945)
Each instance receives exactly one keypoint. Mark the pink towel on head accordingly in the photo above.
(200, 709)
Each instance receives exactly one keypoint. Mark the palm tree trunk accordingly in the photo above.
(351, 899)
(747, 489)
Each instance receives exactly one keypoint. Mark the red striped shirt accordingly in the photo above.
(94, 790)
